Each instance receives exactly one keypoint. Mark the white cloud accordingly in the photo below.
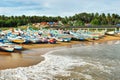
(58, 7)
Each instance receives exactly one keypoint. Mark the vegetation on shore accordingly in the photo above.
(76, 20)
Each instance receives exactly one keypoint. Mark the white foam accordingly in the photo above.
(53, 65)
(117, 42)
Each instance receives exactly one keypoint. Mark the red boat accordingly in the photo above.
(52, 41)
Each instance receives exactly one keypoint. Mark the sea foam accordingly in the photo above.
(46, 70)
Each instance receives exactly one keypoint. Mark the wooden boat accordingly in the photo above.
(34, 40)
(110, 33)
(14, 38)
(20, 41)
(6, 47)
(63, 39)
(15, 46)
(44, 40)
(52, 41)
(95, 36)
(17, 39)
(31, 39)
(92, 35)
(80, 36)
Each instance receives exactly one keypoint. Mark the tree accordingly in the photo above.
(77, 19)
(109, 19)
(78, 23)
(95, 22)
(2, 23)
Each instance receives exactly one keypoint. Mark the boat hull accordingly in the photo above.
(20, 41)
(6, 48)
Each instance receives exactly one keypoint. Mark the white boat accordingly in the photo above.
(80, 36)
(15, 46)
(110, 32)
(6, 47)
(63, 39)
(18, 47)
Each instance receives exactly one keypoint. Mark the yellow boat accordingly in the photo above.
(20, 41)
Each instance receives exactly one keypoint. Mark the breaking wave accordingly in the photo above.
(97, 62)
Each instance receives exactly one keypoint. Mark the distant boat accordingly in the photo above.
(34, 40)
(52, 41)
(110, 33)
(63, 39)
(92, 35)
(44, 40)
(80, 36)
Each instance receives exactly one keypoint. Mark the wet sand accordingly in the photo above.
(13, 60)
(32, 53)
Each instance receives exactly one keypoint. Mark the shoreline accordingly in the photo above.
(59, 44)
(35, 51)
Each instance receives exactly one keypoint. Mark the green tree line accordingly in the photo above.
(75, 20)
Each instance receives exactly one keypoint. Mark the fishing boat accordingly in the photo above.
(80, 36)
(34, 40)
(95, 36)
(110, 33)
(63, 39)
(5, 47)
(15, 46)
(17, 39)
(52, 41)
(44, 40)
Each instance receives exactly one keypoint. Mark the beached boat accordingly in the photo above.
(95, 36)
(6, 47)
(52, 41)
(44, 40)
(34, 40)
(80, 36)
(110, 33)
(15, 46)
(63, 39)
(17, 39)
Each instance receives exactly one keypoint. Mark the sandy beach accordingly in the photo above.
(32, 53)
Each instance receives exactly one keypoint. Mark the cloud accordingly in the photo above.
(57, 7)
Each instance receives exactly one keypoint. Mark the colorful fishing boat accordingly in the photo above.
(80, 36)
(17, 39)
(63, 39)
(20, 41)
(52, 41)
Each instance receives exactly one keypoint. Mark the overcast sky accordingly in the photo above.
(57, 7)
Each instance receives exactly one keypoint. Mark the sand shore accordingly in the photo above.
(32, 53)
(68, 44)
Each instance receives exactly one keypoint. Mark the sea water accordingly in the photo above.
(81, 62)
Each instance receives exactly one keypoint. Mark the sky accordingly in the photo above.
(57, 7)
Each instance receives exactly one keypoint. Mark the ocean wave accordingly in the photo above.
(65, 65)
(52, 65)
